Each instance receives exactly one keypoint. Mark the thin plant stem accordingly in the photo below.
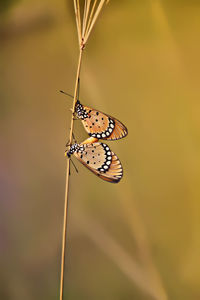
(91, 15)
(86, 17)
(81, 29)
(67, 183)
(78, 21)
(98, 10)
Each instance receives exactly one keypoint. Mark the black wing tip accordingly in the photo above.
(117, 180)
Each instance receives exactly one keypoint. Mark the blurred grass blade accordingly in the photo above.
(116, 253)
(136, 225)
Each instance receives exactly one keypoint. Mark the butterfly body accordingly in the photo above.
(99, 159)
(80, 111)
(98, 124)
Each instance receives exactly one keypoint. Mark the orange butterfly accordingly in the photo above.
(99, 159)
(98, 124)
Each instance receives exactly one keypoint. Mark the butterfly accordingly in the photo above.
(99, 159)
(98, 124)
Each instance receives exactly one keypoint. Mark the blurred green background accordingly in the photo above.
(139, 239)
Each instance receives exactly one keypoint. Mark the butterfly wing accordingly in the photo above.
(100, 125)
(99, 159)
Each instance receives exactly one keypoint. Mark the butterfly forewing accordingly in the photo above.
(99, 159)
(100, 125)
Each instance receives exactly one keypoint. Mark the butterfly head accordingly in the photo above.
(72, 149)
(80, 111)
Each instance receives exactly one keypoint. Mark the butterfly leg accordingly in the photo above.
(78, 91)
(75, 118)
(77, 97)
(67, 144)
(74, 138)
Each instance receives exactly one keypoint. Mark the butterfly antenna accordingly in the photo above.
(74, 165)
(65, 93)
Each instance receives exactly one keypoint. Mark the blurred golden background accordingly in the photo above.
(139, 239)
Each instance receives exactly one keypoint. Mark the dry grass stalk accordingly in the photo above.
(91, 12)
(93, 19)
(82, 25)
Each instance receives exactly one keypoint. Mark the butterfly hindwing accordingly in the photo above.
(100, 125)
(99, 159)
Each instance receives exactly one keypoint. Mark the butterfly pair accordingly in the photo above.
(96, 156)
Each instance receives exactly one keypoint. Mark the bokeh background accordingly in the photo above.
(139, 239)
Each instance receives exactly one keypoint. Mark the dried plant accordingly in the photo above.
(85, 22)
